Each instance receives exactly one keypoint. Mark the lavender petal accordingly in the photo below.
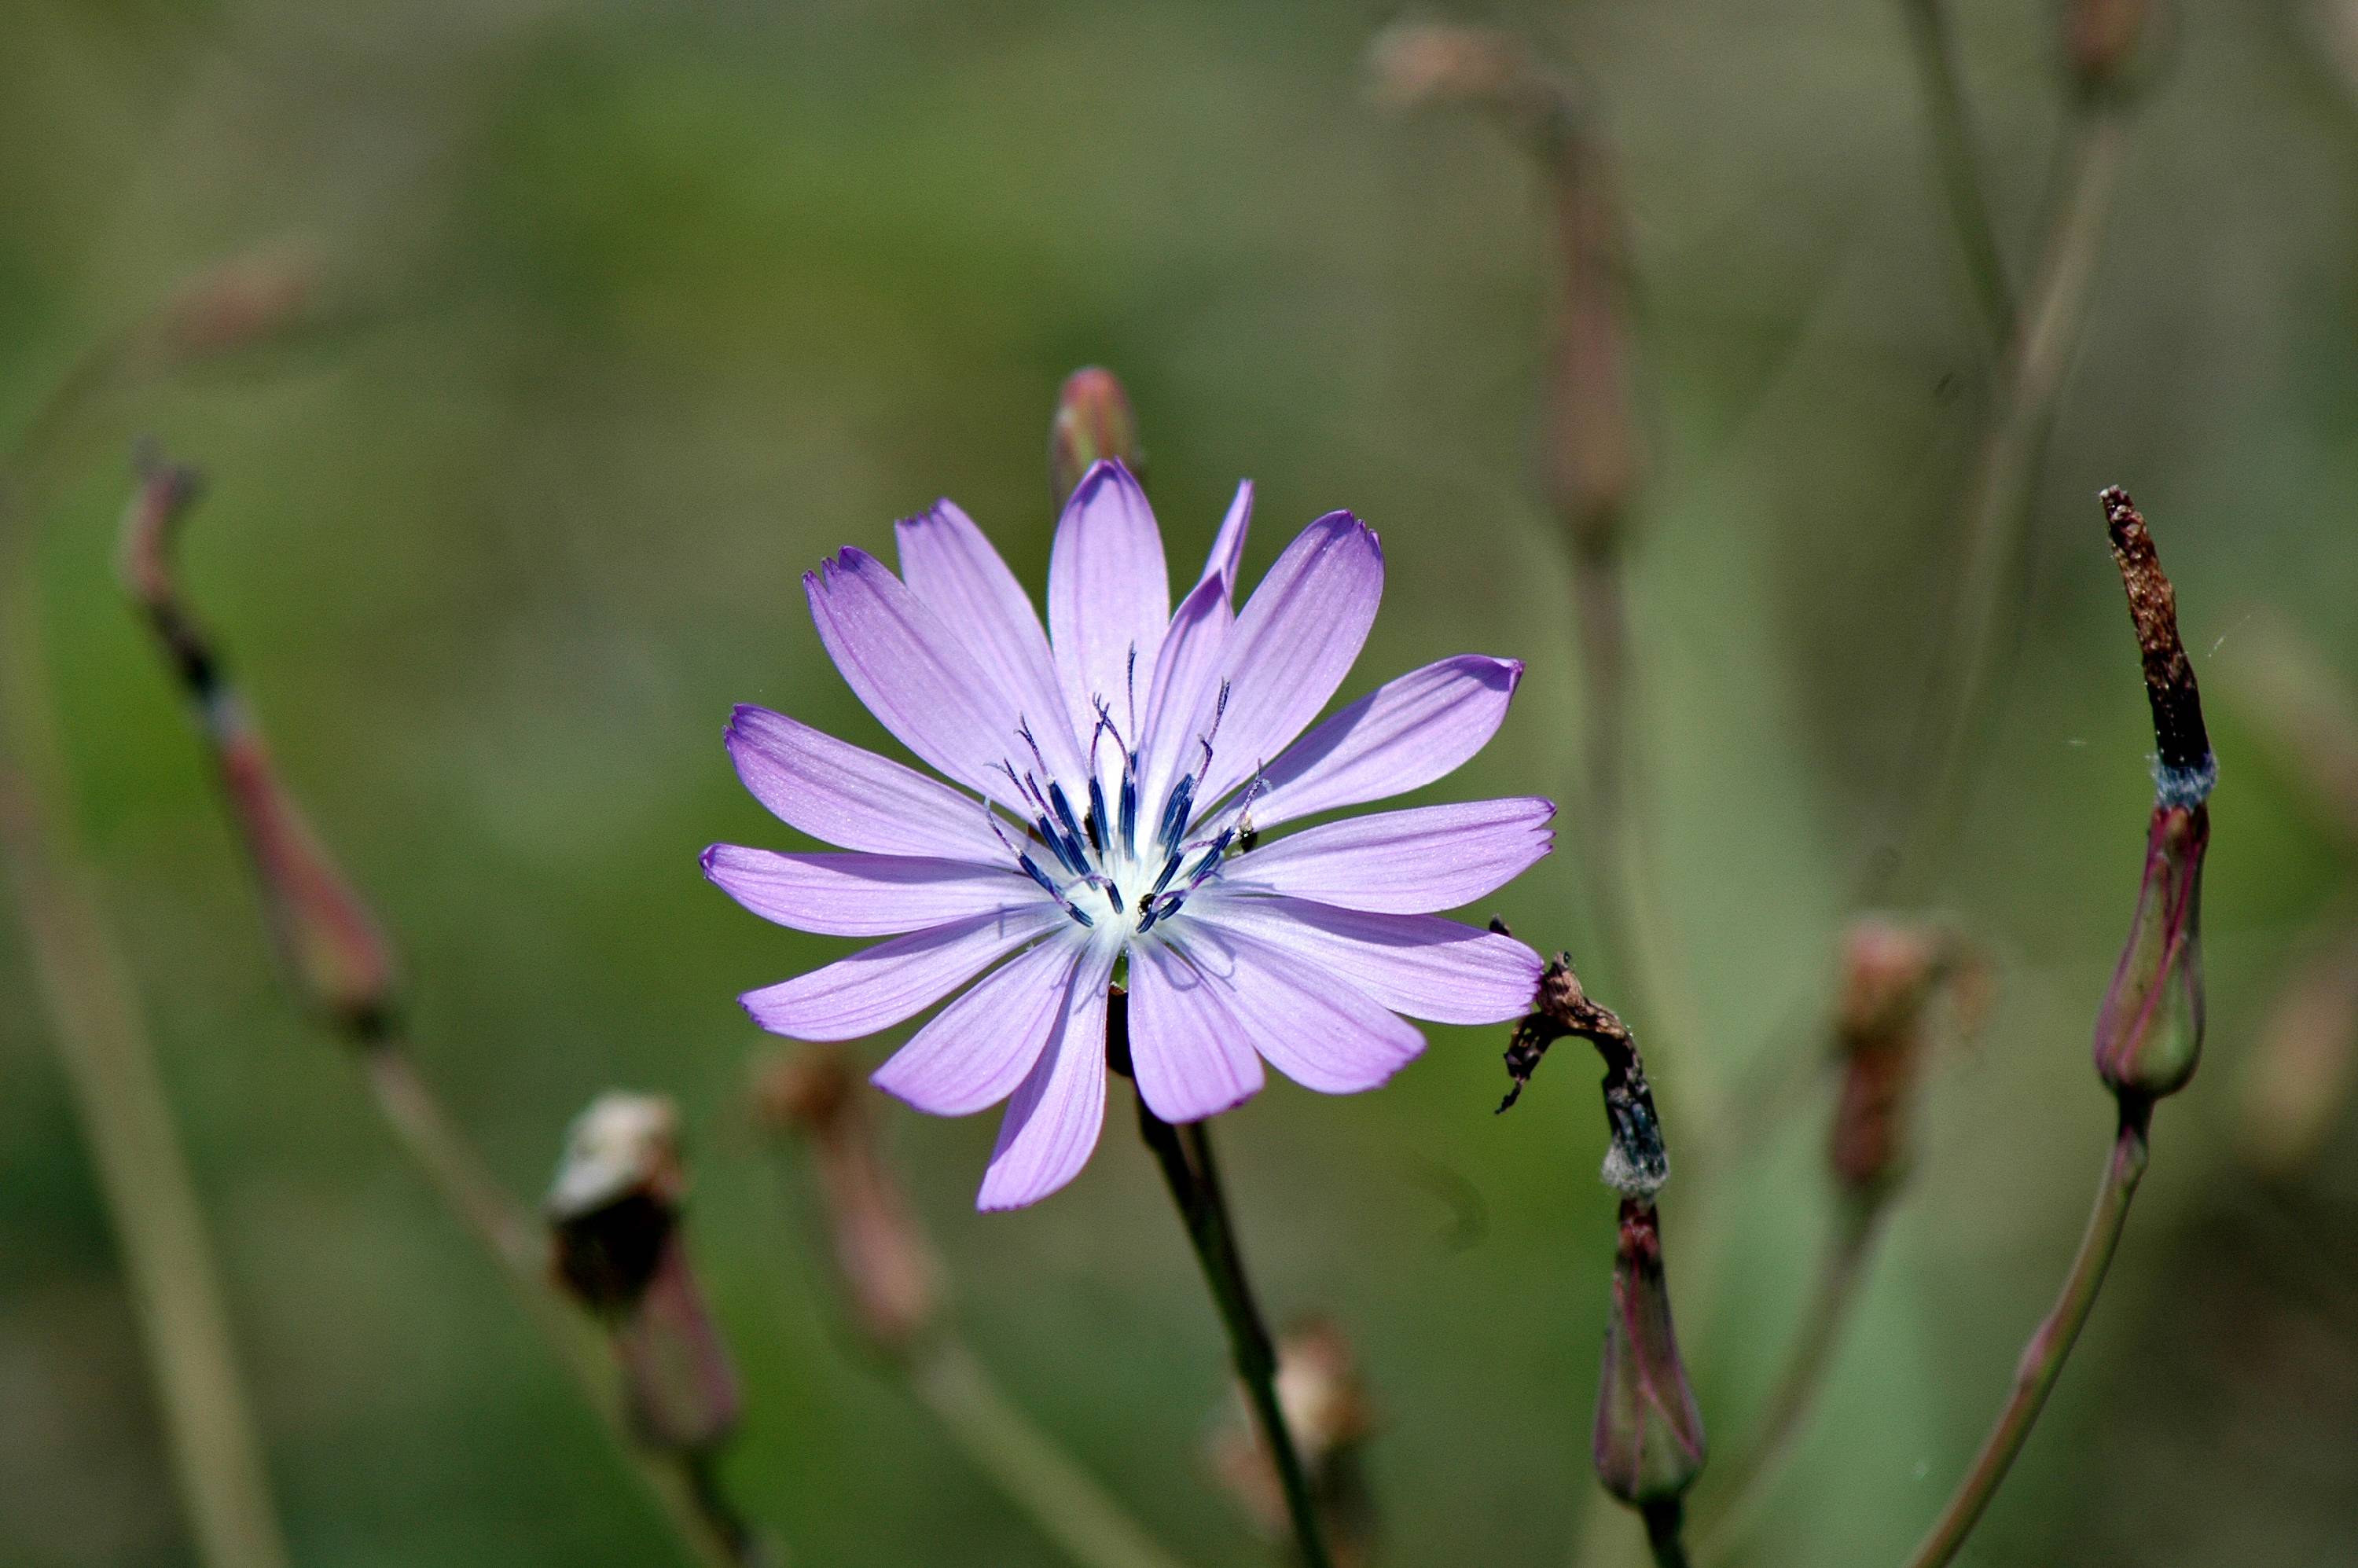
(881, 986)
(949, 565)
(1420, 965)
(863, 895)
(1192, 1058)
(1330, 1037)
(1293, 642)
(1228, 545)
(975, 1052)
(1402, 862)
(1109, 592)
(1405, 733)
(1186, 678)
(916, 675)
(1051, 1124)
(841, 794)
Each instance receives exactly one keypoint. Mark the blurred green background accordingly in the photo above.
(631, 311)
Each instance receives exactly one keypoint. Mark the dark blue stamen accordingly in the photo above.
(1174, 816)
(1130, 803)
(1031, 868)
(1095, 821)
(1072, 837)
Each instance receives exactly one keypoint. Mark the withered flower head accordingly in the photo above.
(2148, 1036)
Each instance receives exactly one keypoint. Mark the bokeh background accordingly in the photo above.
(626, 313)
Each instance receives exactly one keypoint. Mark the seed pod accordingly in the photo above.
(1649, 1440)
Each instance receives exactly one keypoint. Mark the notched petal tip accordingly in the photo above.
(711, 853)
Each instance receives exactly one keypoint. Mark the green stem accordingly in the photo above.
(1745, 1482)
(1664, 1521)
(101, 1040)
(1185, 1155)
(1956, 154)
(2043, 1357)
(714, 1536)
(1067, 1505)
(1996, 511)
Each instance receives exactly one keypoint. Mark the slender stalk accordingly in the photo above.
(217, 1461)
(1956, 156)
(1664, 1522)
(1026, 1464)
(1185, 1155)
(1995, 515)
(681, 1486)
(87, 990)
(2043, 1357)
(1797, 1387)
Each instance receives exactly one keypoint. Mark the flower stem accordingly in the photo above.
(1664, 1522)
(2042, 1357)
(1995, 512)
(1804, 1377)
(1956, 151)
(1185, 1155)
(109, 1067)
(1067, 1505)
(682, 1485)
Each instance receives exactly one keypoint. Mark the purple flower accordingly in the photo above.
(1127, 760)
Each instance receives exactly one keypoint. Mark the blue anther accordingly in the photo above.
(1130, 803)
(1095, 821)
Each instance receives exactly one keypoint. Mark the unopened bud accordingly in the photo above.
(1889, 974)
(884, 1269)
(2149, 1031)
(1648, 1441)
(1327, 1410)
(326, 939)
(2100, 36)
(614, 1210)
(1093, 423)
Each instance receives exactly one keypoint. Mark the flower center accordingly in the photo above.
(1095, 861)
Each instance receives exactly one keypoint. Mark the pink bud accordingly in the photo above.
(1648, 1440)
(1093, 422)
(2149, 1031)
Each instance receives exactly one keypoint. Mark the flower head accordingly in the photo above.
(1109, 780)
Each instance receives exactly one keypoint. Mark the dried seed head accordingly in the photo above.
(1649, 1439)
(1093, 422)
(886, 1272)
(2150, 1029)
(2184, 768)
(1637, 1163)
(615, 1200)
(614, 1211)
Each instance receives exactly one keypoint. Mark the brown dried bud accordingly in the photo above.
(1648, 1441)
(1093, 422)
(2150, 1029)
(325, 937)
(2184, 769)
(1327, 1412)
(888, 1280)
(614, 1211)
